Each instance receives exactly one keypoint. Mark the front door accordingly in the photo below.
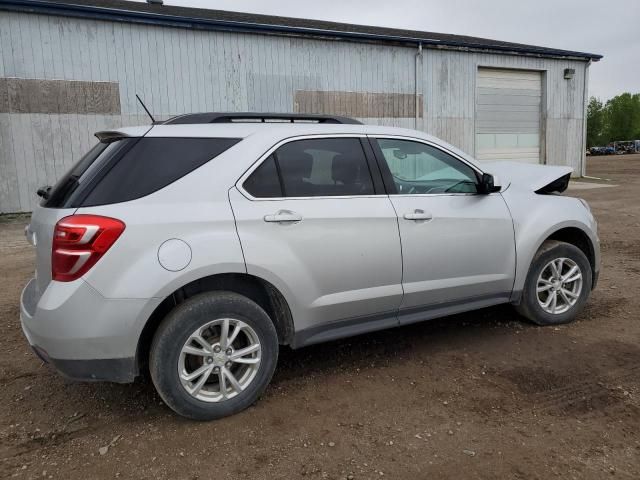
(312, 223)
(457, 245)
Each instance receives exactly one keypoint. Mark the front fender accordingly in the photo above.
(538, 217)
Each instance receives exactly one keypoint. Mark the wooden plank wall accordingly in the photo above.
(182, 70)
(28, 95)
(358, 104)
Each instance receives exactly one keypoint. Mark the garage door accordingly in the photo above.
(508, 115)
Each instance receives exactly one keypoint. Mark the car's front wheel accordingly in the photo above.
(558, 284)
(213, 355)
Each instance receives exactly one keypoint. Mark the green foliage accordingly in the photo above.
(595, 123)
(618, 119)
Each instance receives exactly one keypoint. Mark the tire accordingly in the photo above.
(530, 305)
(170, 365)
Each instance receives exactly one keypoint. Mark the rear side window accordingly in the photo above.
(151, 164)
(323, 167)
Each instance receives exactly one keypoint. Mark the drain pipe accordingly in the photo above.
(417, 97)
(585, 93)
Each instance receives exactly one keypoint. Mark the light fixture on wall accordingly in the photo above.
(569, 73)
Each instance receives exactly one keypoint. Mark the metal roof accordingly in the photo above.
(205, 19)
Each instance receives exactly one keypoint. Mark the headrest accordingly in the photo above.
(296, 163)
(344, 169)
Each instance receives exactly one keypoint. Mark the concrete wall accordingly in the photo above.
(183, 70)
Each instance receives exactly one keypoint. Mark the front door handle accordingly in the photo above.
(283, 216)
(418, 215)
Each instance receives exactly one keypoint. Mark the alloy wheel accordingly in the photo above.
(219, 360)
(559, 285)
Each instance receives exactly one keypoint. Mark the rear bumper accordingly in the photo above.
(118, 370)
(82, 334)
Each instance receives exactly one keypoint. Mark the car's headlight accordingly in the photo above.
(586, 205)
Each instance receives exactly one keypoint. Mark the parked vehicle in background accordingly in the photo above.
(194, 248)
(597, 150)
(627, 147)
(608, 150)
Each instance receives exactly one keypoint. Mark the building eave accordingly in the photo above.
(167, 18)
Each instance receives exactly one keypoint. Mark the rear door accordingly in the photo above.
(313, 221)
(457, 245)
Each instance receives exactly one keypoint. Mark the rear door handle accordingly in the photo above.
(283, 216)
(417, 215)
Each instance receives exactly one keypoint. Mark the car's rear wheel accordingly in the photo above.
(557, 286)
(213, 355)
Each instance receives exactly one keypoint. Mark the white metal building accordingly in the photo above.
(70, 68)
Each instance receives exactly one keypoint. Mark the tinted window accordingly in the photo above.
(151, 164)
(70, 181)
(264, 181)
(324, 167)
(419, 168)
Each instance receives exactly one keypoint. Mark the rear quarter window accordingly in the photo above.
(63, 190)
(151, 164)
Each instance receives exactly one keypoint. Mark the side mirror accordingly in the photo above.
(488, 184)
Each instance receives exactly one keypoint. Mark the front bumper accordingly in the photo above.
(82, 334)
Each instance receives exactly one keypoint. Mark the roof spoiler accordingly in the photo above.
(108, 136)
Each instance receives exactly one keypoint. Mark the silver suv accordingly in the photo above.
(192, 249)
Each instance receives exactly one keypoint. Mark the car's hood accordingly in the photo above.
(530, 177)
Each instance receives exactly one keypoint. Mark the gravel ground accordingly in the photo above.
(479, 395)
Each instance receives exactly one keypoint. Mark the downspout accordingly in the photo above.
(417, 89)
(583, 163)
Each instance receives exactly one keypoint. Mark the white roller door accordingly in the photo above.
(508, 115)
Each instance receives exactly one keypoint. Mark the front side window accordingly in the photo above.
(417, 168)
(323, 167)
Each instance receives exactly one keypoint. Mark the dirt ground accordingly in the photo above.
(479, 395)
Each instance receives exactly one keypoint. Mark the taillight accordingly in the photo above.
(79, 241)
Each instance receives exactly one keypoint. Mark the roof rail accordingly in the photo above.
(253, 117)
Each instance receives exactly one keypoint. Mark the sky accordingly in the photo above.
(606, 27)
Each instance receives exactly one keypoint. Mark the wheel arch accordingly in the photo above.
(529, 239)
(257, 289)
(578, 238)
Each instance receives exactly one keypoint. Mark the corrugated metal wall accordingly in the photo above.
(182, 70)
(450, 101)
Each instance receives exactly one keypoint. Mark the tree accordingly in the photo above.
(595, 123)
(623, 117)
(618, 119)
